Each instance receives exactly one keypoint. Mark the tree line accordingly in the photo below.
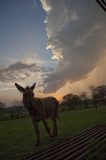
(97, 99)
(15, 111)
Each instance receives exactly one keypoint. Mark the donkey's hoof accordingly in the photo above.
(37, 144)
(52, 139)
(54, 136)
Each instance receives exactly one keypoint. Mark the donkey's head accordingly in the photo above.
(28, 94)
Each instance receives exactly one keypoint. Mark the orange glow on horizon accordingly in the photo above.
(58, 97)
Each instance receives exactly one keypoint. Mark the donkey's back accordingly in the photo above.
(47, 106)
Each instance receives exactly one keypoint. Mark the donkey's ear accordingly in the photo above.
(33, 86)
(21, 89)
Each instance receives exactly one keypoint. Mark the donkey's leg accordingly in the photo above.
(37, 133)
(54, 126)
(47, 129)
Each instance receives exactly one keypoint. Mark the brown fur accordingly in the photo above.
(40, 109)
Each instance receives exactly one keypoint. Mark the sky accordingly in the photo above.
(59, 44)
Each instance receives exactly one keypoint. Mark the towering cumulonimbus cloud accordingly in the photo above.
(76, 33)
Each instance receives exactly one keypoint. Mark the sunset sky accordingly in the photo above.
(59, 44)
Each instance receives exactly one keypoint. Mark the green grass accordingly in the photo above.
(17, 138)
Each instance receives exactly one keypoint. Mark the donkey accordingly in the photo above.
(40, 109)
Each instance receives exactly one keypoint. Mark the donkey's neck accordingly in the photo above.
(28, 104)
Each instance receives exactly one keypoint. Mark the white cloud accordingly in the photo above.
(76, 36)
(46, 6)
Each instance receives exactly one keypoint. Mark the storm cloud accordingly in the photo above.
(77, 38)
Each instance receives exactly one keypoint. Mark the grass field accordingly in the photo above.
(17, 138)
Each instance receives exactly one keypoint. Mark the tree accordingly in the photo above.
(76, 101)
(2, 105)
(17, 104)
(98, 95)
(71, 100)
(92, 88)
(84, 99)
(67, 99)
